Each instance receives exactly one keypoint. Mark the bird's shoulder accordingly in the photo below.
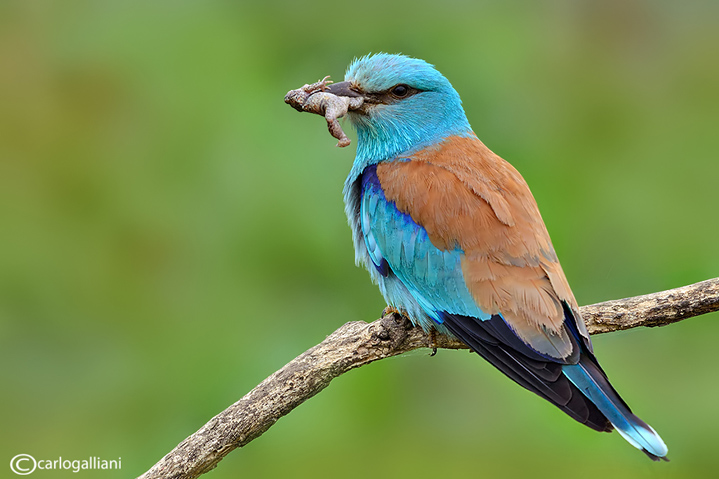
(458, 188)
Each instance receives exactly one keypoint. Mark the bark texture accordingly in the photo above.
(358, 343)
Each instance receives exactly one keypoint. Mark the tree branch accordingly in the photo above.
(358, 343)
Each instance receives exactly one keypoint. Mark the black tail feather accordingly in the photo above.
(526, 367)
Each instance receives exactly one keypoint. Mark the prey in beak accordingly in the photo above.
(331, 100)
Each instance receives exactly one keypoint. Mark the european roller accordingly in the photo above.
(453, 237)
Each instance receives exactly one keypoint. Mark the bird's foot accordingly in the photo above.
(433, 341)
(391, 310)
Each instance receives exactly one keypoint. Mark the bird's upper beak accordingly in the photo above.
(343, 88)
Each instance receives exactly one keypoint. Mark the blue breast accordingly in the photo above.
(402, 252)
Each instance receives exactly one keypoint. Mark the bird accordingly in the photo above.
(453, 237)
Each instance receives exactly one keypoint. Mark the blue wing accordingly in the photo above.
(397, 244)
(428, 283)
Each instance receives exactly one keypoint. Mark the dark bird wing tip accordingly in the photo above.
(654, 457)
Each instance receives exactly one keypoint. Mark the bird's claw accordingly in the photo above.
(433, 341)
(390, 310)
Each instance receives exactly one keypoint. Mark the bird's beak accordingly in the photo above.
(343, 88)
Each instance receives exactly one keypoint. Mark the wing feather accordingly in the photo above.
(471, 201)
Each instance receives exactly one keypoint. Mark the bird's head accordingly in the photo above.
(407, 105)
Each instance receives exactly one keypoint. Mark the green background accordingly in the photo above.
(171, 232)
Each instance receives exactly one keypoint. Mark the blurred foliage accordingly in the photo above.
(172, 232)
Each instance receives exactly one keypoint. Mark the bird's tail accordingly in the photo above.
(589, 378)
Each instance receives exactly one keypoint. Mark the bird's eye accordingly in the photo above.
(400, 91)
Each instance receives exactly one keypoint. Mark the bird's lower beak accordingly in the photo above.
(343, 88)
